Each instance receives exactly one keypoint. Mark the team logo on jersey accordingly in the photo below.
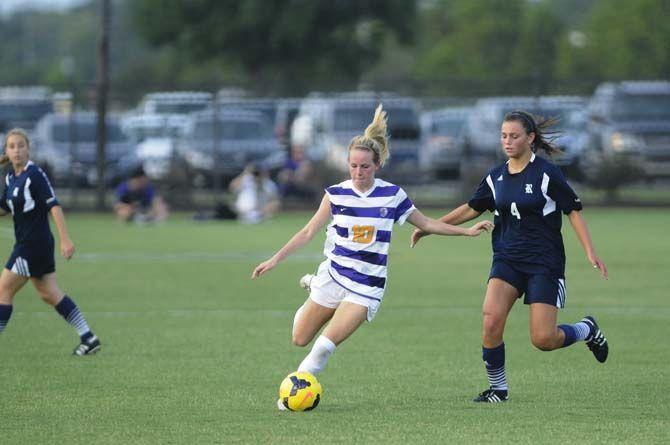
(383, 212)
(529, 188)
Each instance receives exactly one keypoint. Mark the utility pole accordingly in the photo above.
(102, 88)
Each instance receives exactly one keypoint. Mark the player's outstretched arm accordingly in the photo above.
(66, 245)
(581, 230)
(430, 225)
(459, 215)
(303, 237)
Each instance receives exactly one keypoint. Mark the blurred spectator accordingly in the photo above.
(296, 178)
(257, 195)
(137, 201)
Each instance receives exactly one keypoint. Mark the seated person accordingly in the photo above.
(297, 176)
(257, 195)
(137, 200)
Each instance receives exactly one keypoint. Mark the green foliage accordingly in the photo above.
(623, 40)
(476, 41)
(501, 47)
(194, 351)
(291, 47)
(281, 38)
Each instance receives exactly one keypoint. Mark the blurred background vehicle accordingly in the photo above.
(23, 106)
(333, 120)
(65, 146)
(442, 141)
(174, 102)
(221, 142)
(630, 121)
(482, 136)
(155, 136)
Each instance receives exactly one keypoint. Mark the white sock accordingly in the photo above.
(297, 315)
(318, 357)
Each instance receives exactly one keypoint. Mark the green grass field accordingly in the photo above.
(194, 351)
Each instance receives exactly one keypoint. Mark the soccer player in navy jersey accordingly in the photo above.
(349, 285)
(29, 197)
(527, 195)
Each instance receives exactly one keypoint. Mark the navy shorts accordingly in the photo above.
(537, 287)
(32, 262)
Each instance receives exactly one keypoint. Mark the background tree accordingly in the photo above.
(281, 42)
(621, 40)
(468, 46)
(290, 47)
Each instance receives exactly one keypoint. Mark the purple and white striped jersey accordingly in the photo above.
(359, 236)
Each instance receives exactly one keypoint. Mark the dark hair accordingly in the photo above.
(254, 169)
(544, 140)
(138, 172)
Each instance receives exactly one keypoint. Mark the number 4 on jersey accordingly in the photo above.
(515, 211)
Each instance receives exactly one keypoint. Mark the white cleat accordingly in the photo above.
(306, 281)
(281, 405)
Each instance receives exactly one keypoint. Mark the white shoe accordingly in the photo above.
(281, 405)
(306, 281)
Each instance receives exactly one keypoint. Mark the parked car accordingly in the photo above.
(175, 102)
(442, 141)
(483, 124)
(66, 146)
(225, 142)
(23, 107)
(631, 120)
(333, 120)
(266, 106)
(156, 137)
(572, 140)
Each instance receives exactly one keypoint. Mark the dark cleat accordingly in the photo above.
(88, 347)
(492, 396)
(596, 340)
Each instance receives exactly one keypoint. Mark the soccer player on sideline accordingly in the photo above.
(527, 195)
(29, 197)
(349, 285)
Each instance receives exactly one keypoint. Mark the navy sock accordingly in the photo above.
(494, 359)
(5, 314)
(70, 312)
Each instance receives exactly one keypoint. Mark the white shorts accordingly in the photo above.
(326, 292)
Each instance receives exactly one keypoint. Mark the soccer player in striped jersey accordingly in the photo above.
(29, 197)
(349, 285)
(527, 195)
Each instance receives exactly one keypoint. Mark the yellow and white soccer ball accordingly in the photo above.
(300, 391)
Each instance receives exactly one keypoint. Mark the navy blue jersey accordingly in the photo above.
(29, 197)
(528, 208)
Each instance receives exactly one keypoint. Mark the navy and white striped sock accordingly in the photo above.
(70, 312)
(494, 359)
(575, 332)
(5, 314)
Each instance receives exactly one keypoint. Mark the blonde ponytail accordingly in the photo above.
(375, 138)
